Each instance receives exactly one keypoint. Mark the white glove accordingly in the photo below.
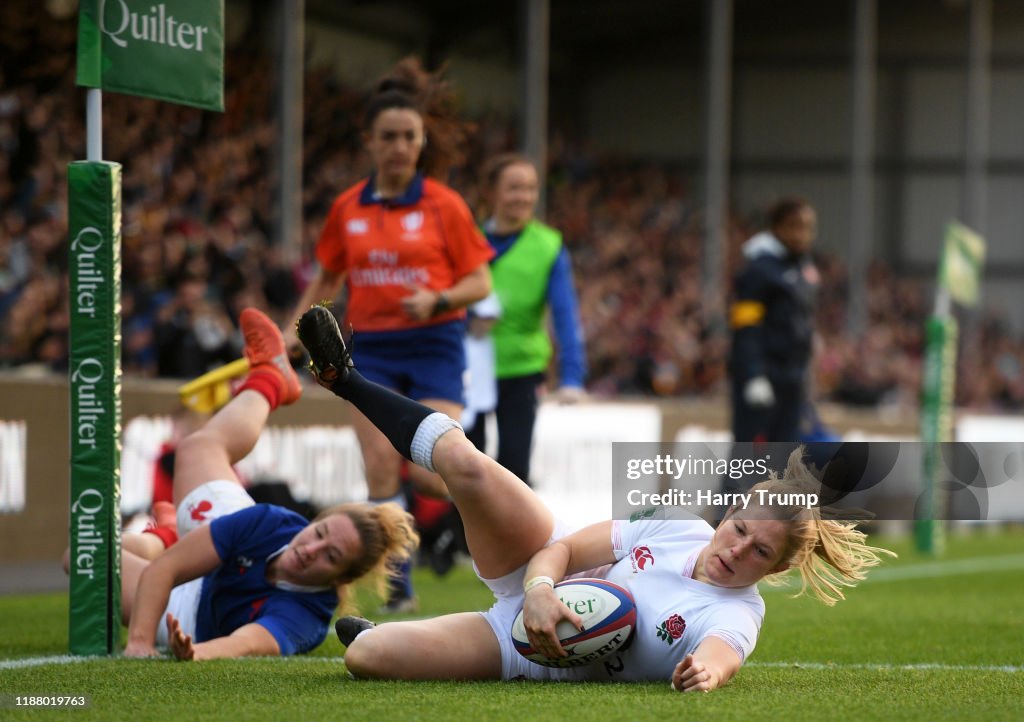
(758, 392)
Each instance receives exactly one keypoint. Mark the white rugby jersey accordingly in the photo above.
(674, 612)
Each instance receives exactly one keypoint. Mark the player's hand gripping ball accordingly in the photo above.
(609, 618)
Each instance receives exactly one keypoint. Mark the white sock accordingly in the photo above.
(429, 431)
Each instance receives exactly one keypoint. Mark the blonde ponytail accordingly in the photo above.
(828, 554)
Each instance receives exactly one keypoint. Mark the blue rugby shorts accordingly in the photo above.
(421, 363)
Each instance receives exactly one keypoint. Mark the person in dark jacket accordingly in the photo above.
(772, 322)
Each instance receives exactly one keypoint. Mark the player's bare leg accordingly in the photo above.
(505, 521)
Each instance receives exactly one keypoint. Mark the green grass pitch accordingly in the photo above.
(924, 639)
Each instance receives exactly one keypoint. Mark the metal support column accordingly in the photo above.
(862, 154)
(536, 19)
(288, 153)
(719, 15)
(976, 125)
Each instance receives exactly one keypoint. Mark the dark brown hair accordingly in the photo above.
(409, 85)
(784, 208)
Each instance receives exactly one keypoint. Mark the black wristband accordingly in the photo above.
(441, 305)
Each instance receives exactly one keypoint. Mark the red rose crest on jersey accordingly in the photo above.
(641, 557)
(671, 629)
(198, 511)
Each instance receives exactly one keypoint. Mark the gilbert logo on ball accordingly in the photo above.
(609, 618)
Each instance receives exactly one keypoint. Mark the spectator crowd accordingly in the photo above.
(199, 243)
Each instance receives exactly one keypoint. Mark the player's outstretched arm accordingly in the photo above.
(712, 665)
(193, 556)
(252, 640)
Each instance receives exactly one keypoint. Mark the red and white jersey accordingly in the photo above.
(675, 612)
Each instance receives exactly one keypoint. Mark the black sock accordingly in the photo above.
(395, 415)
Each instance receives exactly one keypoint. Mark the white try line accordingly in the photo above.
(813, 666)
(928, 570)
(883, 667)
(40, 661)
(29, 662)
(978, 565)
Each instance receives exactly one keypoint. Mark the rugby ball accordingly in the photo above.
(609, 617)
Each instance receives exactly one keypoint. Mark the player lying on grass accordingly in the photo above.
(244, 578)
(698, 609)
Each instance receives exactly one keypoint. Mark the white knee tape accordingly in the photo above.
(430, 430)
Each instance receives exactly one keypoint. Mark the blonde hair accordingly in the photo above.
(388, 536)
(828, 553)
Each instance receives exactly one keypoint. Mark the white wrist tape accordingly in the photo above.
(536, 581)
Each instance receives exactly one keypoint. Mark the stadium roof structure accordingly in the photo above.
(578, 27)
(592, 33)
(910, 93)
